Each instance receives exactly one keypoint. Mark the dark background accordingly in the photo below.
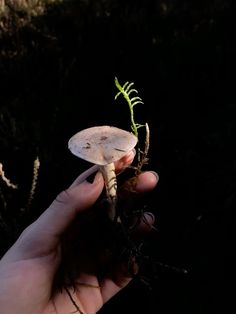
(57, 77)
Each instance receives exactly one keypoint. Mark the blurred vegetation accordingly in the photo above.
(57, 69)
(10, 8)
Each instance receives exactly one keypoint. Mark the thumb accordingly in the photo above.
(68, 203)
(44, 234)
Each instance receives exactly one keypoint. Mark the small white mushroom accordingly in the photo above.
(102, 145)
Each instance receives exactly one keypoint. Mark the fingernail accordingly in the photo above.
(155, 175)
(127, 159)
(134, 151)
(151, 217)
(131, 154)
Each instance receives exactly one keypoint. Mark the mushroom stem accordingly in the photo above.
(109, 175)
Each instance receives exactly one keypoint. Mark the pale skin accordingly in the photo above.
(28, 268)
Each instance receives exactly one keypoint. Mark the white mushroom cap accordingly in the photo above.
(102, 145)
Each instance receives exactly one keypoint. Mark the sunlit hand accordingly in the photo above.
(28, 269)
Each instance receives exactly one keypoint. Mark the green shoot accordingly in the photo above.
(126, 91)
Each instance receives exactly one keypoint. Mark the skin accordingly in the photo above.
(27, 270)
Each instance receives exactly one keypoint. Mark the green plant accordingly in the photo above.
(126, 90)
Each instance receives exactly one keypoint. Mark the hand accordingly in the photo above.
(28, 269)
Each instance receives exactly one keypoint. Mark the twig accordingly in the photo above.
(5, 179)
(34, 181)
(142, 156)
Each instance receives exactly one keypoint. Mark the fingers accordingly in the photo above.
(143, 226)
(109, 287)
(120, 165)
(146, 181)
(123, 273)
(125, 161)
(118, 279)
(143, 183)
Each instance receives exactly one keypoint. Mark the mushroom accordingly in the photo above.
(102, 146)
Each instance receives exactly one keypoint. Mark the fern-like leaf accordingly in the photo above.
(126, 91)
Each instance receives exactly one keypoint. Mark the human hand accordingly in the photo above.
(28, 269)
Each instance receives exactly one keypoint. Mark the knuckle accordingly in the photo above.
(65, 197)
